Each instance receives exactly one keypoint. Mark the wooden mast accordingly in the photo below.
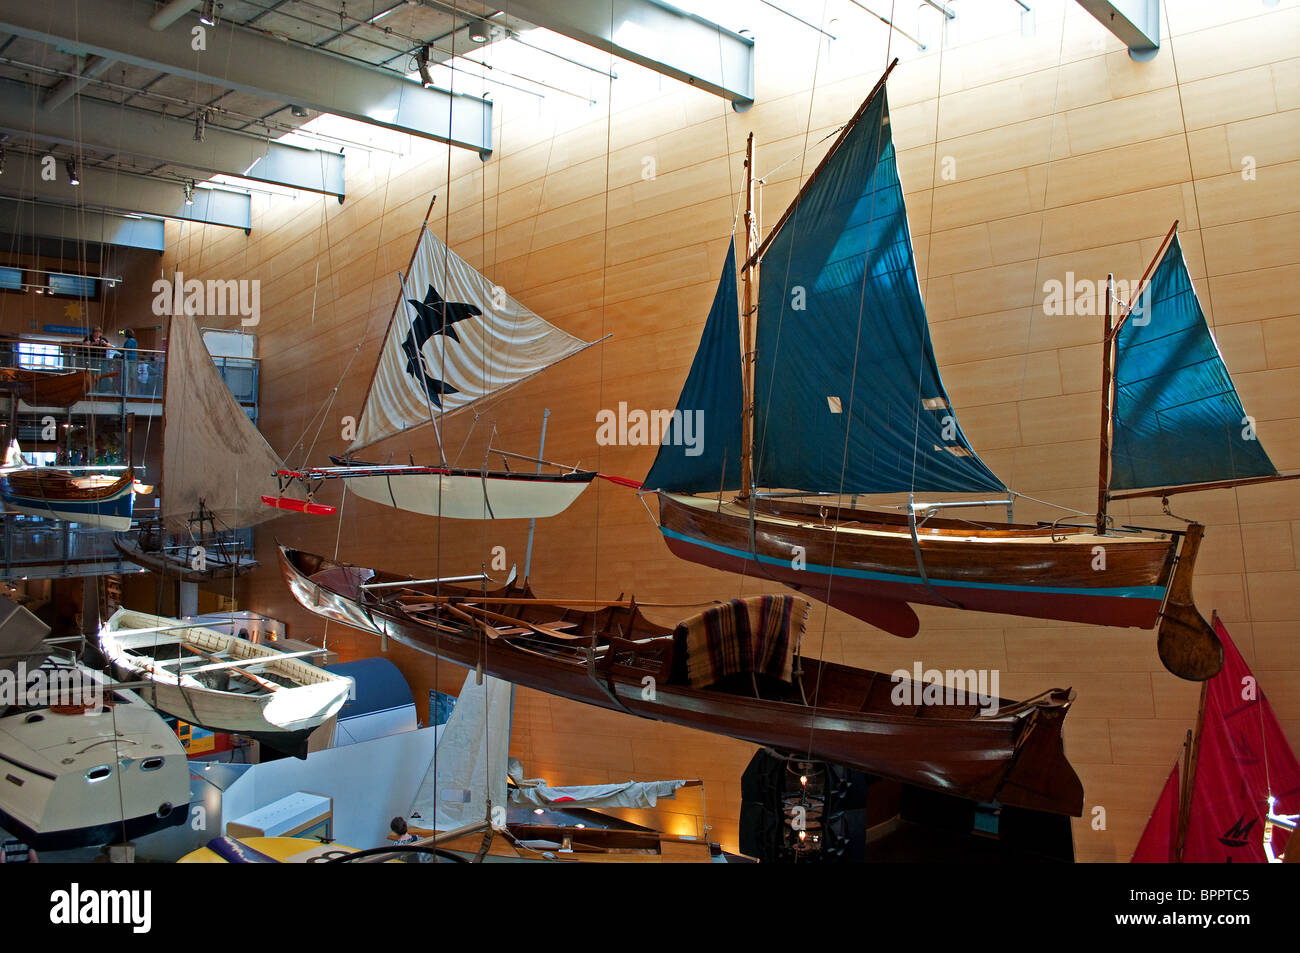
(747, 322)
(1107, 413)
(1193, 751)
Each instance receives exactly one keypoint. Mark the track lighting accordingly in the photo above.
(479, 31)
(298, 112)
(422, 61)
(189, 192)
(200, 124)
(72, 173)
(208, 14)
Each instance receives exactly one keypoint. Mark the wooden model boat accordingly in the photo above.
(851, 404)
(92, 499)
(49, 388)
(80, 774)
(222, 682)
(607, 655)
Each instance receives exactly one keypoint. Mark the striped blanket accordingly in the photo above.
(760, 634)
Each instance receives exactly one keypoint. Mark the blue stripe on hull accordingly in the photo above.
(1125, 592)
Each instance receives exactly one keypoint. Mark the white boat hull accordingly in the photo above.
(76, 780)
(315, 696)
(466, 497)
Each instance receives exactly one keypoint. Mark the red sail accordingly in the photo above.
(1243, 757)
(1157, 843)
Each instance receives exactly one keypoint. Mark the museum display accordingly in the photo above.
(700, 676)
(853, 405)
(222, 682)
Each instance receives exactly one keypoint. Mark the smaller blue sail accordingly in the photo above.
(1178, 419)
(700, 451)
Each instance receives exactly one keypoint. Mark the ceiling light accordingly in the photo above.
(208, 15)
(2, 160)
(72, 173)
(200, 124)
(422, 61)
(298, 112)
(189, 192)
(479, 31)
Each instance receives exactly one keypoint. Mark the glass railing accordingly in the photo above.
(120, 375)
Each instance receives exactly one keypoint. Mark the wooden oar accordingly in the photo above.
(261, 682)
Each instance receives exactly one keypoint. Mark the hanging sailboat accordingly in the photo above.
(1237, 774)
(844, 399)
(453, 339)
(49, 388)
(216, 468)
(734, 669)
(86, 495)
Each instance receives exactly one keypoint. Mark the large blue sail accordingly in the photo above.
(849, 397)
(1178, 420)
(701, 449)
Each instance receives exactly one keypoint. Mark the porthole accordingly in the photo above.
(33, 717)
(99, 773)
(151, 764)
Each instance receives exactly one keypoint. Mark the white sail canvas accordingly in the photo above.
(455, 338)
(211, 450)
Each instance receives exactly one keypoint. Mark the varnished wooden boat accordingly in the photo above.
(148, 547)
(606, 657)
(863, 562)
(92, 499)
(49, 389)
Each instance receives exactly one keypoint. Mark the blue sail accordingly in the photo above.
(848, 394)
(1178, 420)
(701, 448)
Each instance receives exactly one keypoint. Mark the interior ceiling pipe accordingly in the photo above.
(60, 94)
(1135, 22)
(172, 12)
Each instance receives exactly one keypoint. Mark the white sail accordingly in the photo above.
(537, 793)
(211, 450)
(471, 340)
(471, 759)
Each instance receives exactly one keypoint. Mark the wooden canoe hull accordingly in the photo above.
(873, 575)
(46, 389)
(1018, 758)
(55, 493)
(178, 567)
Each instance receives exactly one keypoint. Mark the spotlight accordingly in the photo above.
(72, 173)
(200, 124)
(189, 192)
(298, 112)
(479, 31)
(208, 15)
(422, 61)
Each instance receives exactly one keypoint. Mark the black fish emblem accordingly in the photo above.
(433, 316)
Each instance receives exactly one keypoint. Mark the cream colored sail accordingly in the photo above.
(211, 450)
(454, 339)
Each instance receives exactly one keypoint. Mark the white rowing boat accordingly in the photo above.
(222, 682)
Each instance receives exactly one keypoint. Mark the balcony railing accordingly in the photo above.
(131, 378)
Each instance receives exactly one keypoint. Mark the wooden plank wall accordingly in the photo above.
(1067, 156)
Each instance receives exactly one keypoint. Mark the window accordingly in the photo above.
(11, 279)
(74, 285)
(40, 357)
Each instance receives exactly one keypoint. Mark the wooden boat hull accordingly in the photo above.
(59, 494)
(1017, 758)
(46, 389)
(455, 493)
(178, 566)
(866, 564)
(281, 718)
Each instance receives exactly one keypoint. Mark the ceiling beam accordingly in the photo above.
(94, 124)
(104, 190)
(76, 225)
(255, 63)
(657, 36)
(1135, 22)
